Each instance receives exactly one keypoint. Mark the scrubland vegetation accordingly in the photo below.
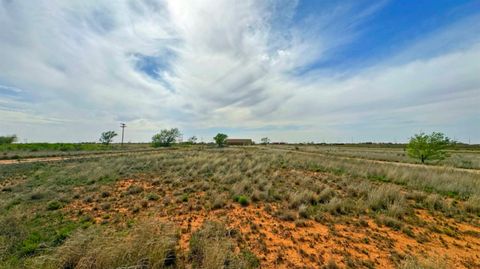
(468, 157)
(19, 151)
(238, 207)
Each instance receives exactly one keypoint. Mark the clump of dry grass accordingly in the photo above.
(213, 246)
(150, 244)
(303, 197)
(473, 204)
(411, 262)
(326, 194)
(339, 206)
(386, 197)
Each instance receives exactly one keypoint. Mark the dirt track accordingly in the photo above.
(444, 168)
(75, 157)
(96, 155)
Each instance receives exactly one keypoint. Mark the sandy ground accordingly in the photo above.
(308, 244)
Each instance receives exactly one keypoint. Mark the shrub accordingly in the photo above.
(152, 196)
(134, 189)
(106, 206)
(241, 199)
(37, 195)
(54, 205)
(8, 139)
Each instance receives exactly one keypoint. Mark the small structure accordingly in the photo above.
(238, 142)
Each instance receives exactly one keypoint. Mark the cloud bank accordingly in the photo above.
(71, 69)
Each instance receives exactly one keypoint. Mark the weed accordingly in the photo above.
(134, 189)
(472, 205)
(152, 196)
(241, 199)
(54, 205)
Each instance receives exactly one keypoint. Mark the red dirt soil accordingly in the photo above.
(309, 244)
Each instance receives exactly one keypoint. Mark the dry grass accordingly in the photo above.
(86, 213)
(429, 263)
(148, 245)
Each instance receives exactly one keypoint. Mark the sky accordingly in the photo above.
(294, 71)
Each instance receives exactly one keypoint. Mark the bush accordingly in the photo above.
(54, 205)
(152, 196)
(241, 199)
(134, 189)
(8, 139)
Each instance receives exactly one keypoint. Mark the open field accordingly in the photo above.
(241, 207)
(42, 150)
(466, 157)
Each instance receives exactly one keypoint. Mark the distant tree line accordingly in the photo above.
(9, 139)
(423, 147)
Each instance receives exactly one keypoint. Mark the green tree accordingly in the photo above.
(265, 140)
(428, 147)
(192, 140)
(107, 137)
(166, 137)
(9, 139)
(220, 139)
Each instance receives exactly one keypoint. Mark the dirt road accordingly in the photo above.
(416, 165)
(79, 156)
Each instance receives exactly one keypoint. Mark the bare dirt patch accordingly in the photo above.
(287, 244)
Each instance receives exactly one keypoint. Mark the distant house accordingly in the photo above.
(238, 142)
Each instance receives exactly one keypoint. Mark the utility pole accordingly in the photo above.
(122, 125)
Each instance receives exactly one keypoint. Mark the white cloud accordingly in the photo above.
(224, 64)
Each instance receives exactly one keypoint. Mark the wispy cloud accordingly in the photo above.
(238, 65)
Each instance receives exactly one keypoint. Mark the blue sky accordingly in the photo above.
(294, 71)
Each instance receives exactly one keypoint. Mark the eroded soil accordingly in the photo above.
(356, 242)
